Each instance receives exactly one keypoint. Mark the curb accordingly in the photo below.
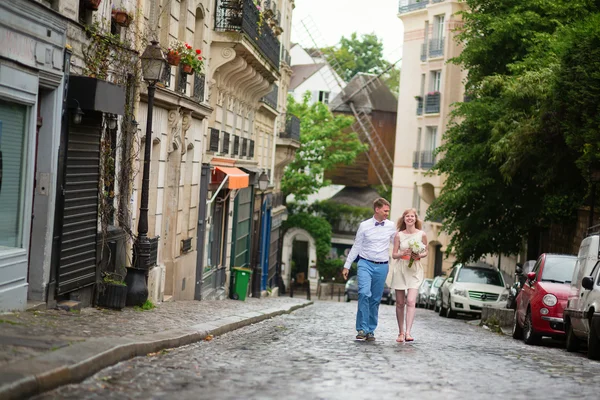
(75, 363)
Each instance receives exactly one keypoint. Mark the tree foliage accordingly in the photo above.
(518, 154)
(364, 54)
(325, 143)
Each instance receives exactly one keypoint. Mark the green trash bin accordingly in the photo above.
(241, 278)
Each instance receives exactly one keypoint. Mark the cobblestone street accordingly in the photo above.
(312, 354)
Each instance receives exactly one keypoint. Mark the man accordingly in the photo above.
(372, 244)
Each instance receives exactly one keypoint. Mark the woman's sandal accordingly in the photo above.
(400, 338)
(409, 338)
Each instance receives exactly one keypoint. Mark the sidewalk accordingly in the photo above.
(41, 350)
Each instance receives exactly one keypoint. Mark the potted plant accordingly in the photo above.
(191, 60)
(112, 291)
(174, 53)
(121, 16)
(92, 4)
(418, 98)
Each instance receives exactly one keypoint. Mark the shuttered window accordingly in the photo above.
(13, 145)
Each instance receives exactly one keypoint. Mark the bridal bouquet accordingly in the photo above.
(417, 247)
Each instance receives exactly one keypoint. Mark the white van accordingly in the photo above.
(582, 314)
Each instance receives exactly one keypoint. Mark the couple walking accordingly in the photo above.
(372, 245)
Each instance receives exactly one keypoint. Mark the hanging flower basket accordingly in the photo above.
(122, 17)
(173, 57)
(92, 4)
(186, 68)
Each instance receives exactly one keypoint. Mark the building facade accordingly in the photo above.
(428, 87)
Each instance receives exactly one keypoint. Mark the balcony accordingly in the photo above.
(419, 105)
(292, 128)
(285, 57)
(271, 98)
(243, 16)
(411, 5)
(436, 47)
(423, 159)
(432, 103)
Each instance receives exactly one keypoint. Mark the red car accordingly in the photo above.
(541, 301)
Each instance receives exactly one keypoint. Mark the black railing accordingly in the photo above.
(424, 52)
(251, 150)
(420, 105)
(410, 5)
(432, 103)
(181, 80)
(244, 147)
(165, 79)
(292, 128)
(271, 98)
(416, 155)
(436, 47)
(225, 147)
(236, 145)
(243, 16)
(199, 82)
(437, 1)
(427, 159)
(214, 140)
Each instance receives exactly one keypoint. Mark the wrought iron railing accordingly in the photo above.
(225, 145)
(405, 6)
(436, 47)
(420, 106)
(416, 156)
(271, 98)
(181, 80)
(243, 16)
(292, 128)
(251, 149)
(432, 103)
(424, 51)
(244, 152)
(427, 159)
(437, 1)
(236, 145)
(199, 83)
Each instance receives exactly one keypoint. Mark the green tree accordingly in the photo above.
(507, 154)
(326, 142)
(364, 54)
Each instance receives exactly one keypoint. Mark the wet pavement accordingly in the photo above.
(311, 354)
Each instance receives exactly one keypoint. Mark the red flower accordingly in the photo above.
(198, 51)
(200, 58)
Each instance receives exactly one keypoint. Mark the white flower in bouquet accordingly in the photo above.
(417, 247)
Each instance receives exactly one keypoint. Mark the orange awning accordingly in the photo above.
(238, 179)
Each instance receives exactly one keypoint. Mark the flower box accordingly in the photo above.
(173, 58)
(92, 4)
(186, 68)
(122, 17)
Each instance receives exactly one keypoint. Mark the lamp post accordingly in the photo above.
(153, 66)
(263, 183)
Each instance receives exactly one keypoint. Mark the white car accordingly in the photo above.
(470, 287)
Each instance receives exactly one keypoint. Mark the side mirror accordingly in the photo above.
(531, 276)
(519, 270)
(587, 282)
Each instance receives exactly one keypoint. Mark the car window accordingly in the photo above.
(536, 267)
(480, 275)
(528, 267)
(438, 282)
(558, 269)
(596, 267)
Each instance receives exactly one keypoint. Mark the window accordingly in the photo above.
(486, 276)
(13, 167)
(422, 91)
(430, 138)
(438, 26)
(436, 80)
(324, 97)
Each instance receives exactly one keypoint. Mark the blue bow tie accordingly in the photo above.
(379, 223)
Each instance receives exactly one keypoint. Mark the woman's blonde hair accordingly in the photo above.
(401, 225)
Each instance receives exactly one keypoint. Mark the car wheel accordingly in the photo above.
(442, 309)
(346, 297)
(517, 330)
(449, 312)
(529, 335)
(390, 301)
(593, 343)
(572, 342)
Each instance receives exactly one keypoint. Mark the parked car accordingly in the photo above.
(351, 292)
(541, 301)
(423, 293)
(438, 300)
(433, 291)
(582, 313)
(520, 278)
(470, 287)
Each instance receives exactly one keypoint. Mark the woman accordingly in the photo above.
(402, 278)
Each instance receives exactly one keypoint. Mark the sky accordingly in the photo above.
(336, 18)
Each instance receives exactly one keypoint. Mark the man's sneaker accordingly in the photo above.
(361, 335)
(370, 337)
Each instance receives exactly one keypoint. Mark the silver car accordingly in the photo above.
(433, 291)
(423, 293)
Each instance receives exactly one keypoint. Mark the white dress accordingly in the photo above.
(400, 277)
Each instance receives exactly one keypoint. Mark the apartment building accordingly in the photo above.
(429, 87)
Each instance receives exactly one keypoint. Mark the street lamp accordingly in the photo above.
(153, 66)
(263, 184)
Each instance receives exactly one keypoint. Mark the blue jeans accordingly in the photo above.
(371, 279)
